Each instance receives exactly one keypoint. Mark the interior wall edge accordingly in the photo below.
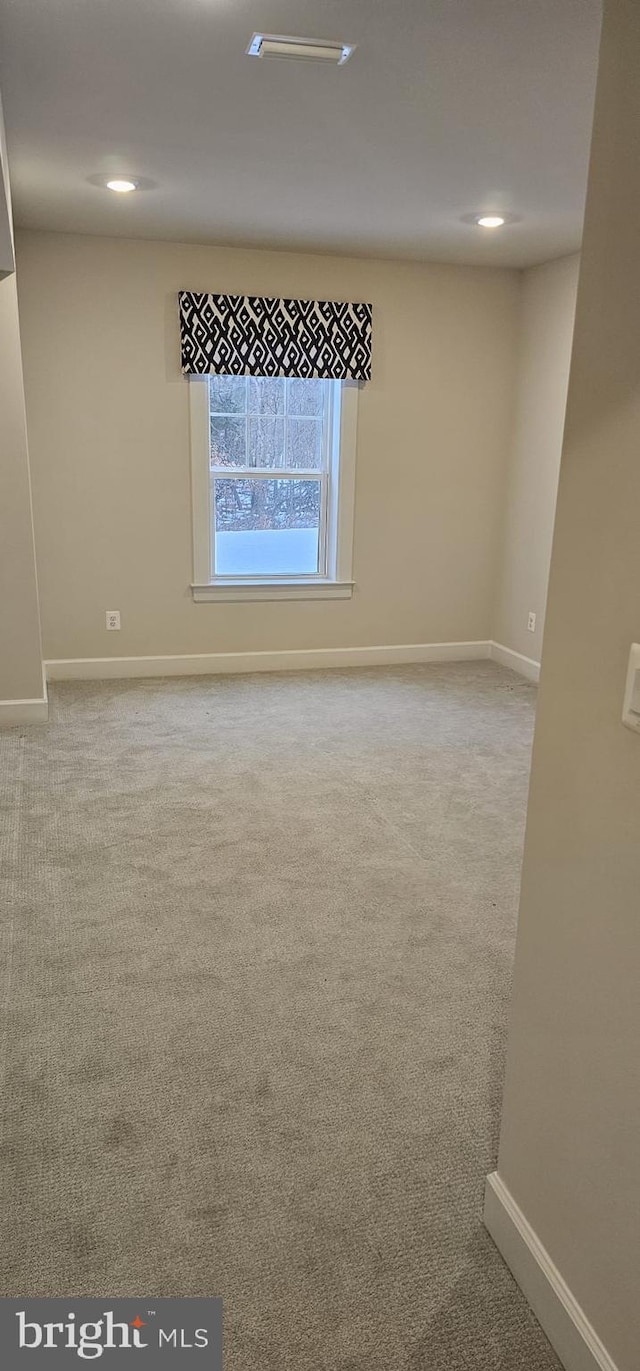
(562, 1318)
(539, 395)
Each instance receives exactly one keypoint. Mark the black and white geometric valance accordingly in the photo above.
(250, 335)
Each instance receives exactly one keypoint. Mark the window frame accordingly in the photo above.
(334, 579)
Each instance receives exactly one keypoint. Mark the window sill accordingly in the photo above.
(272, 590)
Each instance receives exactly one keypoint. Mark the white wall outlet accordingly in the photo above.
(531, 622)
(113, 618)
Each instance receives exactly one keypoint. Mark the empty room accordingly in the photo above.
(319, 684)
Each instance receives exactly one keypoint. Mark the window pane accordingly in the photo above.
(266, 527)
(306, 397)
(266, 442)
(227, 394)
(266, 395)
(304, 443)
(228, 441)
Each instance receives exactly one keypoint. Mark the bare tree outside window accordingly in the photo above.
(268, 445)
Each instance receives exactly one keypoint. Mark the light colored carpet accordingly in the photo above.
(258, 936)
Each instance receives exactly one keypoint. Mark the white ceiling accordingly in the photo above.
(446, 107)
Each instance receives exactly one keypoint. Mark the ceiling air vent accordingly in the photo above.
(300, 49)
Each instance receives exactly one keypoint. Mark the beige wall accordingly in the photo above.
(546, 329)
(7, 256)
(20, 657)
(20, 654)
(108, 423)
(570, 1147)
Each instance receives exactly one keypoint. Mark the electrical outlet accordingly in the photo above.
(531, 622)
(113, 618)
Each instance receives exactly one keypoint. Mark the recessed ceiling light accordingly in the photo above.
(121, 185)
(300, 49)
(491, 219)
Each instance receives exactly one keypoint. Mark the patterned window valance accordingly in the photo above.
(249, 335)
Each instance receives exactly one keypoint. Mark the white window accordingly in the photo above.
(273, 470)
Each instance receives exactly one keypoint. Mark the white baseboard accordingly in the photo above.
(525, 666)
(304, 659)
(223, 663)
(564, 1322)
(14, 712)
